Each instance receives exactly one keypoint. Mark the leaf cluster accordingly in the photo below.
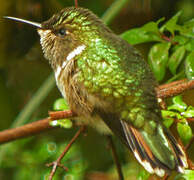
(172, 51)
(178, 112)
(173, 45)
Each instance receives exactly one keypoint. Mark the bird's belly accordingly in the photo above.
(82, 104)
(95, 122)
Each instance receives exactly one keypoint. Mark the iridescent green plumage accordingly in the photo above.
(109, 86)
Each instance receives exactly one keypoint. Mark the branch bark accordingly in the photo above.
(163, 91)
(55, 115)
(34, 127)
(174, 88)
(25, 130)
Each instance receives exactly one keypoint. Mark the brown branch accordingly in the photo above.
(172, 83)
(33, 128)
(174, 88)
(55, 115)
(25, 130)
(115, 157)
(57, 163)
(163, 91)
(191, 119)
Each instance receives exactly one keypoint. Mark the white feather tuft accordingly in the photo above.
(183, 157)
(144, 163)
(180, 169)
(78, 50)
(159, 172)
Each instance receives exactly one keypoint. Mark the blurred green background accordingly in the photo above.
(23, 70)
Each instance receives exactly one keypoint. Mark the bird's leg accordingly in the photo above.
(115, 157)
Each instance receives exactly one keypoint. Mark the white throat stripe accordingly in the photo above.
(78, 50)
(75, 52)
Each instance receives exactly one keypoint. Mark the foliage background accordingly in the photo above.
(23, 70)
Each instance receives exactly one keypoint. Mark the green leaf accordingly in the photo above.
(188, 175)
(158, 58)
(168, 122)
(151, 27)
(168, 117)
(190, 45)
(171, 24)
(185, 132)
(60, 104)
(160, 20)
(178, 104)
(64, 123)
(138, 35)
(189, 66)
(190, 108)
(181, 40)
(175, 59)
(179, 101)
(149, 32)
(188, 29)
(167, 114)
(143, 175)
(188, 113)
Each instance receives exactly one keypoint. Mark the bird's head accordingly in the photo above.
(67, 33)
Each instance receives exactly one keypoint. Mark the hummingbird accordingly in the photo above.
(109, 86)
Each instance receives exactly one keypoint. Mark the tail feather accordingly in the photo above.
(148, 159)
(140, 155)
(180, 154)
(159, 154)
(142, 152)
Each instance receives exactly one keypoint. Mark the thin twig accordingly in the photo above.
(115, 157)
(76, 3)
(57, 163)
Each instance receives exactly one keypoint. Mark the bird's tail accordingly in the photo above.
(159, 153)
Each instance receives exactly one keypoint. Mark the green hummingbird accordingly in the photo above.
(109, 86)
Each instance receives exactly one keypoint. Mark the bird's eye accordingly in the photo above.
(61, 32)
